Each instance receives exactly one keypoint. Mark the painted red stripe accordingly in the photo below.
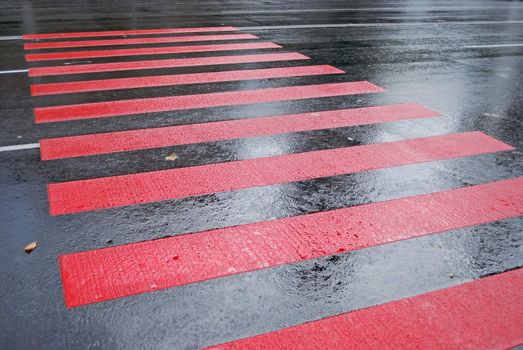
(85, 145)
(483, 314)
(172, 63)
(109, 192)
(125, 32)
(215, 99)
(180, 79)
(147, 51)
(136, 41)
(115, 272)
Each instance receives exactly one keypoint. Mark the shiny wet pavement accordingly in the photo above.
(290, 190)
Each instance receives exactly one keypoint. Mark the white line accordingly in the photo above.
(14, 37)
(340, 9)
(14, 71)
(347, 25)
(19, 37)
(304, 26)
(491, 46)
(358, 9)
(19, 147)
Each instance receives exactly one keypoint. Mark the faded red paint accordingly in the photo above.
(180, 79)
(137, 41)
(109, 192)
(148, 51)
(85, 145)
(215, 99)
(171, 63)
(483, 314)
(115, 272)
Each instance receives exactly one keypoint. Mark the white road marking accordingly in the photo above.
(19, 37)
(347, 25)
(14, 71)
(491, 46)
(13, 37)
(19, 147)
(363, 9)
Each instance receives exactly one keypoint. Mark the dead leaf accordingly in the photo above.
(30, 247)
(171, 157)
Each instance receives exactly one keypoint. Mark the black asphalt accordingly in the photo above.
(424, 52)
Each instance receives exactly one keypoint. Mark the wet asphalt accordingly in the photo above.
(419, 51)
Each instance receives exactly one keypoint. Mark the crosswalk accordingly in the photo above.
(171, 63)
(105, 274)
(208, 100)
(143, 267)
(109, 192)
(31, 57)
(475, 315)
(179, 79)
(103, 143)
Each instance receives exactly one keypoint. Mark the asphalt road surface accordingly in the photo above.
(261, 174)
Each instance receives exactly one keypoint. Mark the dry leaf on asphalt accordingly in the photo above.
(171, 157)
(30, 247)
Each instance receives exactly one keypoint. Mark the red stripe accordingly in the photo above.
(215, 99)
(173, 63)
(85, 145)
(109, 192)
(125, 32)
(147, 51)
(483, 314)
(180, 79)
(136, 41)
(115, 272)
